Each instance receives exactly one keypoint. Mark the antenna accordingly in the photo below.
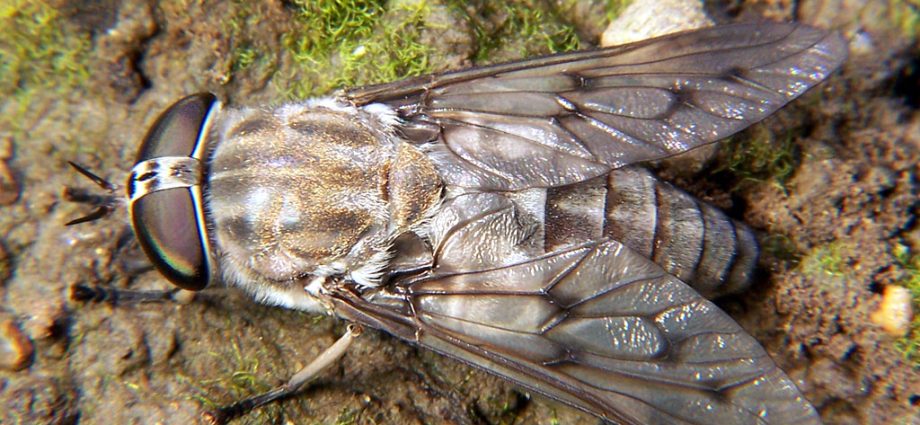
(103, 183)
(105, 203)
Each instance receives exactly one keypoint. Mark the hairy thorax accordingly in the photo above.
(313, 189)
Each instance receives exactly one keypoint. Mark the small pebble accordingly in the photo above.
(862, 44)
(15, 347)
(45, 313)
(9, 187)
(895, 312)
(5, 268)
(646, 19)
(6, 147)
(184, 296)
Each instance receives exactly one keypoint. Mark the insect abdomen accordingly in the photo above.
(690, 239)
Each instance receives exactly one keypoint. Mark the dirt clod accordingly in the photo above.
(15, 347)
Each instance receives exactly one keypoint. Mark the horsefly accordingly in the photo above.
(496, 215)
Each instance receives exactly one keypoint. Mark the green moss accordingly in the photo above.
(325, 24)
(347, 416)
(250, 56)
(358, 42)
(616, 7)
(781, 247)
(244, 379)
(905, 16)
(499, 409)
(394, 51)
(341, 43)
(826, 260)
(320, 28)
(326, 44)
(909, 345)
(507, 30)
(244, 57)
(37, 56)
(759, 156)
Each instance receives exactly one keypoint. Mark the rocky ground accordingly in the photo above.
(830, 182)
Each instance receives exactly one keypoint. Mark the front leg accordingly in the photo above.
(226, 413)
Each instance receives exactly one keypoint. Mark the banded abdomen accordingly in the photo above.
(690, 239)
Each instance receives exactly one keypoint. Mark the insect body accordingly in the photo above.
(494, 215)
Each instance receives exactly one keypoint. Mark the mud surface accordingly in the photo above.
(839, 222)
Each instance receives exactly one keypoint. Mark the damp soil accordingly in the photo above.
(834, 225)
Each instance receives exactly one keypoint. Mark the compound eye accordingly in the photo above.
(166, 223)
(176, 132)
(166, 204)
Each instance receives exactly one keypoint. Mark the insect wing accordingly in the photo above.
(595, 325)
(606, 330)
(561, 119)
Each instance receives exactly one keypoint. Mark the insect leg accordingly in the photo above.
(86, 293)
(320, 363)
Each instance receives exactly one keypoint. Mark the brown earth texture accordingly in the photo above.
(829, 182)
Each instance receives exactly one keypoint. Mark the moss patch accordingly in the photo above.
(330, 44)
(905, 16)
(321, 29)
(780, 247)
(759, 156)
(506, 30)
(394, 51)
(909, 345)
(37, 57)
(247, 52)
(245, 378)
(826, 260)
(348, 416)
(616, 7)
(356, 42)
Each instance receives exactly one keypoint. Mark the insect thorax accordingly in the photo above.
(312, 189)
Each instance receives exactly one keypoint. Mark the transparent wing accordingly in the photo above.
(601, 328)
(561, 119)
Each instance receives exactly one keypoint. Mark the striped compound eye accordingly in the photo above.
(165, 195)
